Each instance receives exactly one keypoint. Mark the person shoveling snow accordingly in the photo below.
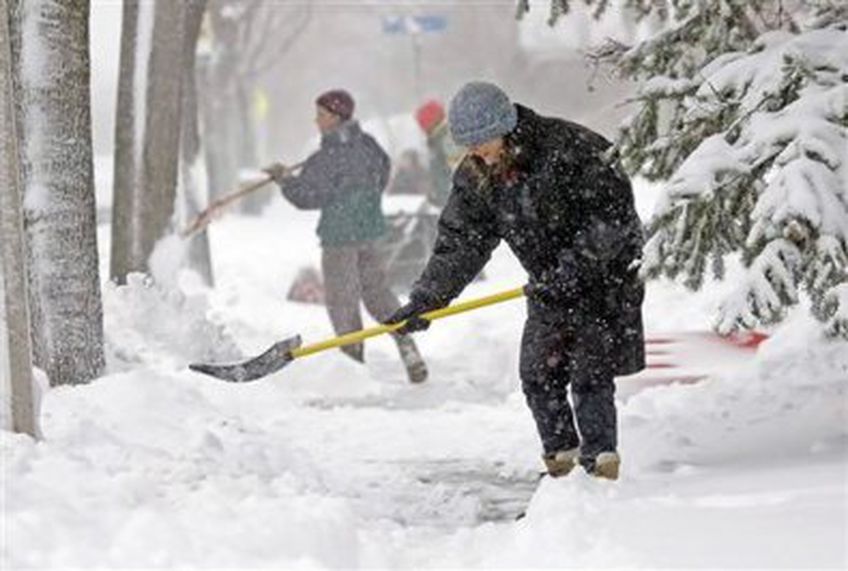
(545, 186)
(344, 179)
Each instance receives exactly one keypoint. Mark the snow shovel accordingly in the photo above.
(284, 352)
(204, 218)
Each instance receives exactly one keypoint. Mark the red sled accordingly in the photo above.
(689, 357)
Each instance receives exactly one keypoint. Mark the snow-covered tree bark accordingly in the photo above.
(15, 344)
(52, 75)
(744, 110)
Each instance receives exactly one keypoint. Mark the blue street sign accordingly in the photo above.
(414, 24)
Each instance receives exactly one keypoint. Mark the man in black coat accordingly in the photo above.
(546, 187)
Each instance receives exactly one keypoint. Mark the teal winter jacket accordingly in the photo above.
(345, 179)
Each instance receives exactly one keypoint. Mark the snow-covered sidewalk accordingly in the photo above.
(331, 464)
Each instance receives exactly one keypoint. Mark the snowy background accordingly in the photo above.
(330, 464)
(731, 457)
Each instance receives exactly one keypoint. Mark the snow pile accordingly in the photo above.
(797, 379)
(168, 259)
(145, 470)
(148, 324)
(703, 465)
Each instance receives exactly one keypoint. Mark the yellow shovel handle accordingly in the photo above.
(363, 334)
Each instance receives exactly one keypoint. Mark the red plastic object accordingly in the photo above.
(659, 341)
(429, 115)
(747, 339)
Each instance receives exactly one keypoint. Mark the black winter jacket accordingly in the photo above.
(564, 210)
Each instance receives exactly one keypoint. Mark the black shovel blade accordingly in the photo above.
(271, 361)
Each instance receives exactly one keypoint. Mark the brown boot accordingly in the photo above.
(606, 466)
(560, 463)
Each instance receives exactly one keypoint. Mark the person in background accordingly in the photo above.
(410, 176)
(547, 187)
(444, 153)
(345, 180)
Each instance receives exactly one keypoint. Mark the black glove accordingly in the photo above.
(411, 314)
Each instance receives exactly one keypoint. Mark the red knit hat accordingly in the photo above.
(429, 115)
(337, 101)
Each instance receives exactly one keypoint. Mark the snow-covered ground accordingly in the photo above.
(332, 464)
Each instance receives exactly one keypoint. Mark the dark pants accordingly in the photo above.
(553, 357)
(354, 273)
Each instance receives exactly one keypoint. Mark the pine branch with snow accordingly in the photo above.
(770, 185)
(744, 112)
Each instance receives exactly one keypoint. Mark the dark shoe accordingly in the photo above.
(562, 462)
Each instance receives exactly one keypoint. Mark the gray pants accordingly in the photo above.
(352, 273)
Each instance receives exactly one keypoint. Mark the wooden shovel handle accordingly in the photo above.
(204, 218)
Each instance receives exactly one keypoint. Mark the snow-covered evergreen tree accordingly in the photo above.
(743, 109)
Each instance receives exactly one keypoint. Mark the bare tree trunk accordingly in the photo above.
(250, 37)
(222, 129)
(123, 259)
(221, 163)
(243, 112)
(52, 69)
(157, 140)
(248, 152)
(198, 254)
(195, 9)
(161, 142)
(148, 129)
(15, 343)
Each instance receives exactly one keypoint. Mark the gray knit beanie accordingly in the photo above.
(480, 112)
